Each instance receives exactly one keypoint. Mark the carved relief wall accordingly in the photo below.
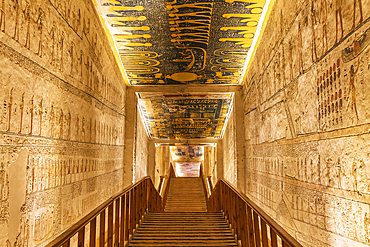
(307, 121)
(229, 149)
(61, 119)
(141, 151)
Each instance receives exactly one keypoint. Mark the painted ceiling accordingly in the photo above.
(178, 116)
(188, 153)
(187, 160)
(182, 41)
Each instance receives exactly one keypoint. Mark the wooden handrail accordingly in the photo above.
(130, 205)
(160, 186)
(247, 219)
(166, 185)
(207, 189)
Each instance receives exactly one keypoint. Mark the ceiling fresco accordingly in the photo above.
(189, 153)
(182, 41)
(178, 116)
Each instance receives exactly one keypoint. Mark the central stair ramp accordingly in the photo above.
(185, 220)
(182, 212)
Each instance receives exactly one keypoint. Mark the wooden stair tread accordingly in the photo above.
(185, 220)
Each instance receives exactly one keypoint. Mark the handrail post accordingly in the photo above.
(102, 229)
(249, 222)
(93, 232)
(124, 211)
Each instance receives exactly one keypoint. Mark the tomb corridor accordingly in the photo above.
(185, 123)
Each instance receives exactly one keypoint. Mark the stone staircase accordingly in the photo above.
(186, 195)
(185, 221)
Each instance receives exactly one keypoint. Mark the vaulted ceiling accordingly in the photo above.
(165, 42)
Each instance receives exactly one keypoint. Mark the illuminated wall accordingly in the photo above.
(61, 120)
(307, 107)
(229, 152)
(141, 151)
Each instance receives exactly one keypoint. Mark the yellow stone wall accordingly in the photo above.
(229, 152)
(141, 150)
(307, 121)
(61, 120)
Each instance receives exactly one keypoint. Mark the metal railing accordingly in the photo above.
(122, 212)
(253, 227)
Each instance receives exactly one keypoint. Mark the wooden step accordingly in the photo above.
(185, 221)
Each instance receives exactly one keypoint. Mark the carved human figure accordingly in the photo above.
(352, 89)
(16, 9)
(61, 118)
(77, 128)
(283, 65)
(324, 20)
(83, 129)
(354, 176)
(31, 117)
(10, 109)
(300, 49)
(40, 114)
(354, 13)
(80, 62)
(338, 19)
(51, 121)
(2, 16)
(27, 18)
(2, 180)
(39, 23)
(87, 65)
(339, 175)
(290, 50)
(71, 57)
(22, 109)
(52, 34)
(61, 47)
(86, 26)
(313, 24)
(276, 67)
(69, 126)
(78, 20)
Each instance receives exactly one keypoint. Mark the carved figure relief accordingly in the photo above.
(324, 21)
(10, 109)
(352, 89)
(31, 115)
(16, 11)
(61, 50)
(2, 16)
(51, 121)
(22, 109)
(52, 34)
(313, 26)
(300, 49)
(355, 9)
(338, 20)
(39, 23)
(27, 18)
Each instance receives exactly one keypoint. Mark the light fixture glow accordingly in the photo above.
(256, 38)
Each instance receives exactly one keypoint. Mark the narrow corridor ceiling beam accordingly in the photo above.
(186, 88)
